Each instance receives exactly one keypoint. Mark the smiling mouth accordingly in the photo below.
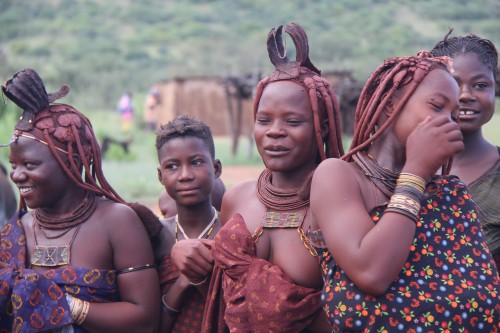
(467, 113)
(24, 190)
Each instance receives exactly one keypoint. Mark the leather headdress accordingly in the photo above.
(286, 69)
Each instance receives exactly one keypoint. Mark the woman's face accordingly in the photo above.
(477, 91)
(284, 128)
(436, 95)
(41, 181)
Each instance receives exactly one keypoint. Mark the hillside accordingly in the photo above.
(103, 48)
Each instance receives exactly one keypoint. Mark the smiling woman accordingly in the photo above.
(75, 251)
(296, 127)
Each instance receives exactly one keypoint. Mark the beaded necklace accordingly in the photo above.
(52, 256)
(275, 198)
(208, 230)
(281, 203)
(383, 178)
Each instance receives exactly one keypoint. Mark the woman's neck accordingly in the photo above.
(475, 146)
(72, 198)
(293, 179)
(388, 154)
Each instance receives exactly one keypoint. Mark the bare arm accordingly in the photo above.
(371, 255)
(139, 308)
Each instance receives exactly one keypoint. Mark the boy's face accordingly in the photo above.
(187, 170)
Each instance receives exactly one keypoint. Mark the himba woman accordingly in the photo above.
(79, 260)
(475, 63)
(402, 249)
(265, 275)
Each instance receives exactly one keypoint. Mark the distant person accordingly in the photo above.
(125, 109)
(168, 207)
(475, 63)
(8, 203)
(189, 171)
(151, 109)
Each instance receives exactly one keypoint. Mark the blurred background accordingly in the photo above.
(204, 58)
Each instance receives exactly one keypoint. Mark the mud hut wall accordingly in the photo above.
(204, 99)
(166, 109)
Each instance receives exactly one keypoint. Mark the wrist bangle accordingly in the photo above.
(199, 283)
(78, 309)
(167, 309)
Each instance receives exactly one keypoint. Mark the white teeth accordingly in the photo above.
(25, 189)
(467, 112)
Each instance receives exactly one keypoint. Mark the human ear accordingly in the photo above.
(324, 129)
(160, 178)
(389, 107)
(217, 168)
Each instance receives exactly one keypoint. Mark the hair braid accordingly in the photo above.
(396, 74)
(482, 47)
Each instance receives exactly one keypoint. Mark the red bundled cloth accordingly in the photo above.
(249, 294)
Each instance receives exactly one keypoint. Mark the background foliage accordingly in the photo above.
(102, 48)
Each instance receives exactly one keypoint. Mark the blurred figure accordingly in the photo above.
(151, 109)
(8, 203)
(126, 111)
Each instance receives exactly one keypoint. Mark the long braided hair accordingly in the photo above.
(302, 71)
(396, 74)
(483, 48)
(64, 129)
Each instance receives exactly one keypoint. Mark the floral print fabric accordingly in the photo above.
(449, 282)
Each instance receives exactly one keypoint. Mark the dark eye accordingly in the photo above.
(481, 85)
(170, 166)
(436, 107)
(198, 162)
(262, 121)
(294, 122)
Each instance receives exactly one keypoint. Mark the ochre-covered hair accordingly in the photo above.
(64, 130)
(321, 94)
(396, 74)
(483, 48)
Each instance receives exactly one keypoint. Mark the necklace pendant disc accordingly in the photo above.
(50, 256)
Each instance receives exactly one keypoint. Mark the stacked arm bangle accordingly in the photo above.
(407, 195)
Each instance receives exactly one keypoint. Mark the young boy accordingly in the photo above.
(188, 170)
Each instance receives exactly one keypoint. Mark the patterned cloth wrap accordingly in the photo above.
(257, 296)
(190, 316)
(448, 284)
(35, 302)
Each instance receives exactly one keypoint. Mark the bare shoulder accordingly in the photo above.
(119, 220)
(116, 213)
(236, 196)
(336, 170)
(242, 189)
